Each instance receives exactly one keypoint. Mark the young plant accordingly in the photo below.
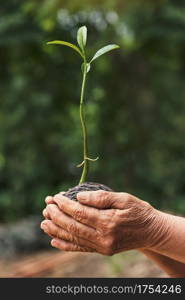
(85, 67)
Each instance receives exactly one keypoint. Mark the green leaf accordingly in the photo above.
(82, 37)
(63, 43)
(88, 67)
(104, 50)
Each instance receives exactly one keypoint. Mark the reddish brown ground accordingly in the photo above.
(69, 264)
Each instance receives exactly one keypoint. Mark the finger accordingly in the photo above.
(53, 230)
(69, 224)
(86, 215)
(103, 199)
(49, 199)
(68, 246)
(46, 214)
(42, 226)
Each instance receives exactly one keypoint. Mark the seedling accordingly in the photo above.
(85, 67)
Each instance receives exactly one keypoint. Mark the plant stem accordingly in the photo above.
(84, 128)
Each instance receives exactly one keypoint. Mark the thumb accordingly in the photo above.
(100, 199)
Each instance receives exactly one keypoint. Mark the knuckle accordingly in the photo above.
(109, 220)
(79, 214)
(66, 236)
(128, 197)
(55, 230)
(129, 200)
(70, 237)
(103, 195)
(72, 228)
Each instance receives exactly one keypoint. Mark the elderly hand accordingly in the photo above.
(103, 222)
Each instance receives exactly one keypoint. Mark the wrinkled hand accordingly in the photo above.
(103, 222)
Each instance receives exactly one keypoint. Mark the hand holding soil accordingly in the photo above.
(107, 223)
(103, 222)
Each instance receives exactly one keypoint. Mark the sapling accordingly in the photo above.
(85, 68)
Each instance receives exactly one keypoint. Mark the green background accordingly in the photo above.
(135, 101)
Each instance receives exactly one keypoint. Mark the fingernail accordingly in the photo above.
(48, 198)
(53, 242)
(43, 225)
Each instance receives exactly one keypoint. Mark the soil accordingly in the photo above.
(86, 186)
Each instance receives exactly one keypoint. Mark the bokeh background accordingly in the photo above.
(135, 107)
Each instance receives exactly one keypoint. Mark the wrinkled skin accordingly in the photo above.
(101, 221)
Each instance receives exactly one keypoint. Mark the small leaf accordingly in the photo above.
(63, 43)
(88, 67)
(92, 159)
(104, 50)
(82, 37)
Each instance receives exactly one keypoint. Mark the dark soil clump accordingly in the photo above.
(86, 186)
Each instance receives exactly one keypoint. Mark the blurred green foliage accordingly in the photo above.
(135, 101)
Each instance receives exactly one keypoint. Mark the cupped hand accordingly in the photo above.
(101, 221)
